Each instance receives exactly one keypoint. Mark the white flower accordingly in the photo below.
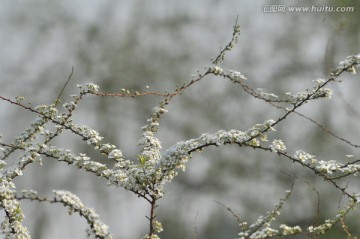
(278, 146)
(115, 154)
(157, 226)
(236, 75)
(290, 230)
(305, 157)
(216, 70)
(92, 88)
(328, 166)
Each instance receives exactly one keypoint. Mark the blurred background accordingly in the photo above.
(133, 44)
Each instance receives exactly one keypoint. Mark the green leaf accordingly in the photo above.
(142, 160)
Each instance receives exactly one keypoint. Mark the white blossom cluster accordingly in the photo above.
(177, 156)
(48, 111)
(29, 194)
(157, 226)
(305, 157)
(30, 155)
(321, 93)
(236, 76)
(261, 228)
(145, 179)
(353, 169)
(229, 46)
(329, 223)
(267, 95)
(332, 166)
(30, 134)
(13, 230)
(11, 227)
(152, 145)
(91, 136)
(327, 167)
(288, 231)
(315, 93)
(88, 87)
(278, 146)
(97, 227)
(266, 232)
(216, 70)
(319, 230)
(70, 105)
(349, 64)
(82, 161)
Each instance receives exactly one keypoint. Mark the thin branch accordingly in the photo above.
(327, 130)
(230, 45)
(219, 58)
(316, 217)
(236, 215)
(62, 90)
(195, 227)
(272, 102)
(316, 171)
(152, 216)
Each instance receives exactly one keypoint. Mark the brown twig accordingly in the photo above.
(57, 100)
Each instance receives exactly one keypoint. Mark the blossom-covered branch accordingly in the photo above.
(147, 174)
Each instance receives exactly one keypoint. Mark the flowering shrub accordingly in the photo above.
(154, 167)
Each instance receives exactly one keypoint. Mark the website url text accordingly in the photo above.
(274, 8)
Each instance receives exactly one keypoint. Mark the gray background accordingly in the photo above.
(131, 44)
